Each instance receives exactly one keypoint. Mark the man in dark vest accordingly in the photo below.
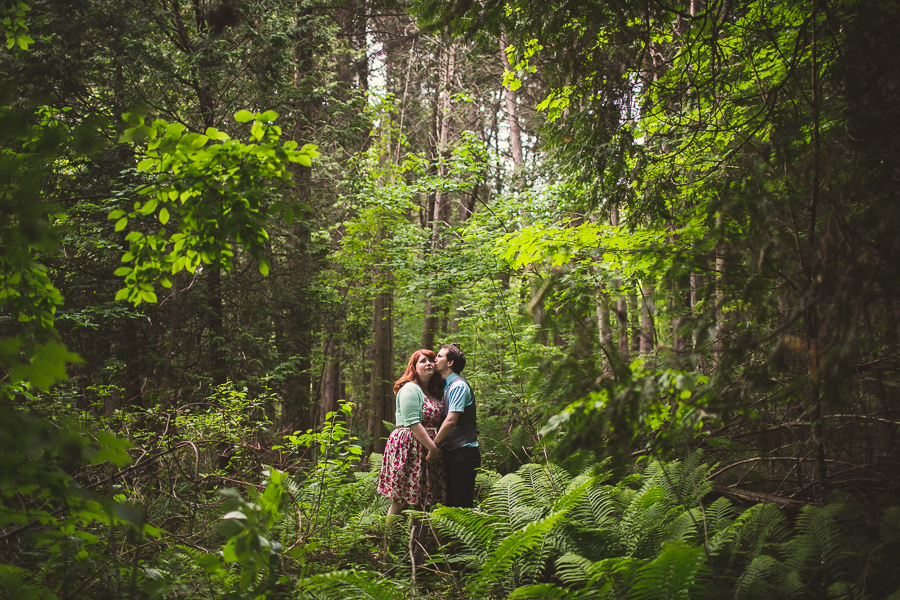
(458, 435)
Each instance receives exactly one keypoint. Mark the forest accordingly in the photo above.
(662, 232)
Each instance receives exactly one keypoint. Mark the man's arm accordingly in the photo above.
(447, 427)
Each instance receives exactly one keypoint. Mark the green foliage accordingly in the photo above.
(246, 525)
(655, 534)
(321, 495)
(217, 194)
(364, 585)
(19, 584)
(32, 143)
(12, 23)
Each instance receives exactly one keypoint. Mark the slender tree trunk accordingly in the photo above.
(696, 283)
(381, 394)
(816, 353)
(512, 115)
(721, 326)
(605, 329)
(332, 388)
(621, 309)
(216, 325)
(441, 213)
(634, 318)
(647, 333)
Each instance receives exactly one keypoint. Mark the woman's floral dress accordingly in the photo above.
(405, 474)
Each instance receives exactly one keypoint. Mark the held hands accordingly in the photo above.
(433, 455)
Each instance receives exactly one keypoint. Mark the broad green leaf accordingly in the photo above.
(149, 206)
(242, 116)
(146, 164)
(257, 131)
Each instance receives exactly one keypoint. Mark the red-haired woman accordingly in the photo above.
(412, 472)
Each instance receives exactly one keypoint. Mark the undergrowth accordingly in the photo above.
(149, 518)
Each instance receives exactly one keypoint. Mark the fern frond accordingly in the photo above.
(573, 569)
(719, 515)
(583, 462)
(593, 543)
(598, 507)
(548, 482)
(677, 572)
(889, 526)
(756, 530)
(473, 529)
(844, 591)
(541, 591)
(356, 585)
(684, 527)
(484, 481)
(508, 494)
(818, 539)
(18, 584)
(644, 520)
(613, 573)
(520, 516)
(512, 547)
(375, 461)
(756, 581)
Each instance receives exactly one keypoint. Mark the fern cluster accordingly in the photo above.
(543, 532)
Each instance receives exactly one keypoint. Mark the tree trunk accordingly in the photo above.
(621, 309)
(605, 330)
(216, 325)
(647, 333)
(441, 213)
(512, 115)
(381, 393)
(332, 372)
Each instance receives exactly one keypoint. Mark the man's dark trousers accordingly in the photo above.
(461, 465)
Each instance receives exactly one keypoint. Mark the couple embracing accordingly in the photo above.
(432, 454)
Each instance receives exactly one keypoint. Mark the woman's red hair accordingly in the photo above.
(435, 385)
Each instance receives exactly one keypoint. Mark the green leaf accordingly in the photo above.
(214, 134)
(146, 164)
(47, 366)
(112, 449)
(149, 206)
(257, 131)
(163, 216)
(122, 271)
(121, 223)
(264, 267)
(242, 116)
